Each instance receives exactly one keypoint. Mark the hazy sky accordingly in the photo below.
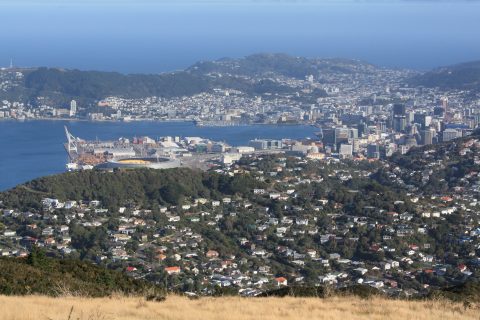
(155, 36)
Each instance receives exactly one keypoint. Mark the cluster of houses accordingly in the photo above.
(264, 239)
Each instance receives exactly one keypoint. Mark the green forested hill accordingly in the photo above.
(147, 187)
(98, 85)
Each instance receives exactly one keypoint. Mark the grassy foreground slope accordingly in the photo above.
(233, 308)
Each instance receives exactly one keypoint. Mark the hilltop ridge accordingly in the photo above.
(250, 75)
(459, 76)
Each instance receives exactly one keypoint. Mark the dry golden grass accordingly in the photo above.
(232, 308)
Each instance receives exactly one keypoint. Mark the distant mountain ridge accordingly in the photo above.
(59, 86)
(459, 76)
(253, 75)
(281, 64)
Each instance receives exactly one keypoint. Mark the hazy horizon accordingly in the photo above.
(159, 36)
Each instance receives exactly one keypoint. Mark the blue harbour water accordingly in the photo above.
(149, 36)
(30, 149)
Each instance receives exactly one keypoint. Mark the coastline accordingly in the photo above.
(35, 147)
(155, 120)
(88, 120)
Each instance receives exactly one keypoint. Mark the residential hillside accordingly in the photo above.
(452, 167)
(405, 227)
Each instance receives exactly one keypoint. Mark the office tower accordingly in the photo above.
(413, 129)
(345, 150)
(265, 144)
(399, 118)
(382, 126)
(439, 112)
(399, 123)
(427, 136)
(362, 129)
(353, 133)
(328, 136)
(423, 120)
(443, 102)
(410, 117)
(341, 135)
(373, 151)
(450, 134)
(73, 108)
(399, 109)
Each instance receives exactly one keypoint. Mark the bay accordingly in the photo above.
(31, 149)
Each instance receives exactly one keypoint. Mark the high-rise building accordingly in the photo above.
(355, 144)
(423, 120)
(362, 129)
(328, 136)
(439, 112)
(382, 126)
(341, 135)
(426, 136)
(399, 109)
(419, 118)
(413, 129)
(345, 150)
(373, 151)
(73, 108)
(265, 144)
(399, 123)
(450, 134)
(410, 117)
(444, 103)
(353, 133)
(337, 135)
(399, 117)
(334, 136)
